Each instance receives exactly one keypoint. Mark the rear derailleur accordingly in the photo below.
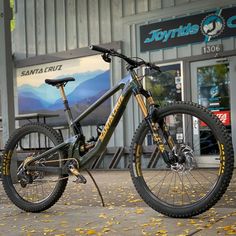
(24, 176)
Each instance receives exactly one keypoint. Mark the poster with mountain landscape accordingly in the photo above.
(92, 80)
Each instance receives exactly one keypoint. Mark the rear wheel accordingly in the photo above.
(200, 171)
(32, 191)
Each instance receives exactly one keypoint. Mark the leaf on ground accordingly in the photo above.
(139, 211)
(105, 230)
(135, 200)
(102, 215)
(47, 221)
(180, 224)
(80, 230)
(91, 232)
(192, 222)
(161, 232)
(48, 231)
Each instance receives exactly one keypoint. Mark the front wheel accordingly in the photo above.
(202, 167)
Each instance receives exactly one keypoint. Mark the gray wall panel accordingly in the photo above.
(155, 4)
(129, 7)
(169, 54)
(60, 25)
(40, 26)
(157, 56)
(105, 21)
(50, 26)
(82, 7)
(197, 49)
(93, 22)
(179, 2)
(184, 51)
(19, 32)
(30, 28)
(116, 20)
(71, 24)
(168, 3)
(228, 44)
(142, 6)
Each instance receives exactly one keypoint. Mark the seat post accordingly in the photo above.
(66, 104)
(75, 128)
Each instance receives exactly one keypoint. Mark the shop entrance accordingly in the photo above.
(210, 82)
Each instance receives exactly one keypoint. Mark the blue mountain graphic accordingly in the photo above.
(86, 90)
(28, 102)
(32, 99)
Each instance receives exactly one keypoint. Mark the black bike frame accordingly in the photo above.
(128, 85)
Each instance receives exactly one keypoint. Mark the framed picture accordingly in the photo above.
(92, 80)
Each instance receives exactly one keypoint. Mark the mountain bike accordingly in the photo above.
(181, 157)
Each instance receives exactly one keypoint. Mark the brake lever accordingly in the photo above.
(153, 66)
(106, 57)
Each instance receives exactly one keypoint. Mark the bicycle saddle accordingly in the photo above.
(58, 82)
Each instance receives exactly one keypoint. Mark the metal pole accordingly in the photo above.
(6, 71)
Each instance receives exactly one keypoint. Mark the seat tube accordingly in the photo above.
(66, 105)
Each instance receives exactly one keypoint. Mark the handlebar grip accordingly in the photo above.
(153, 66)
(157, 68)
(99, 49)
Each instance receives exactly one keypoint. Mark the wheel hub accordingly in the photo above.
(184, 158)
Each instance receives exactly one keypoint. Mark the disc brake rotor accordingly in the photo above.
(185, 157)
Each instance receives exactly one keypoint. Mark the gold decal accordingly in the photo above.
(138, 160)
(111, 118)
(6, 163)
(222, 158)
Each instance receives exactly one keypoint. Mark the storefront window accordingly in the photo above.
(213, 92)
(167, 86)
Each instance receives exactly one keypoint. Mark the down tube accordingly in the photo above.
(109, 127)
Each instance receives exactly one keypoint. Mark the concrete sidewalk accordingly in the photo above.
(79, 212)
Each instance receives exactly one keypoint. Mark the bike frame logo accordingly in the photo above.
(198, 28)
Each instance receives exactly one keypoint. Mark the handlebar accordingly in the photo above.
(133, 63)
(99, 49)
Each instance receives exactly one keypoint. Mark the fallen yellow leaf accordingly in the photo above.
(102, 215)
(179, 223)
(91, 232)
(105, 229)
(139, 211)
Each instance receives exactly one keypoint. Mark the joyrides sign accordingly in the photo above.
(197, 28)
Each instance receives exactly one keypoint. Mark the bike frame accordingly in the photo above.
(128, 86)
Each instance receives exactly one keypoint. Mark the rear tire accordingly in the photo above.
(194, 185)
(45, 189)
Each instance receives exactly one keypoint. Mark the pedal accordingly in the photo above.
(79, 178)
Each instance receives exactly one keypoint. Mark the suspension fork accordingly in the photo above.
(155, 127)
(162, 126)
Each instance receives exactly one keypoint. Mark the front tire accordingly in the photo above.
(43, 189)
(194, 184)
